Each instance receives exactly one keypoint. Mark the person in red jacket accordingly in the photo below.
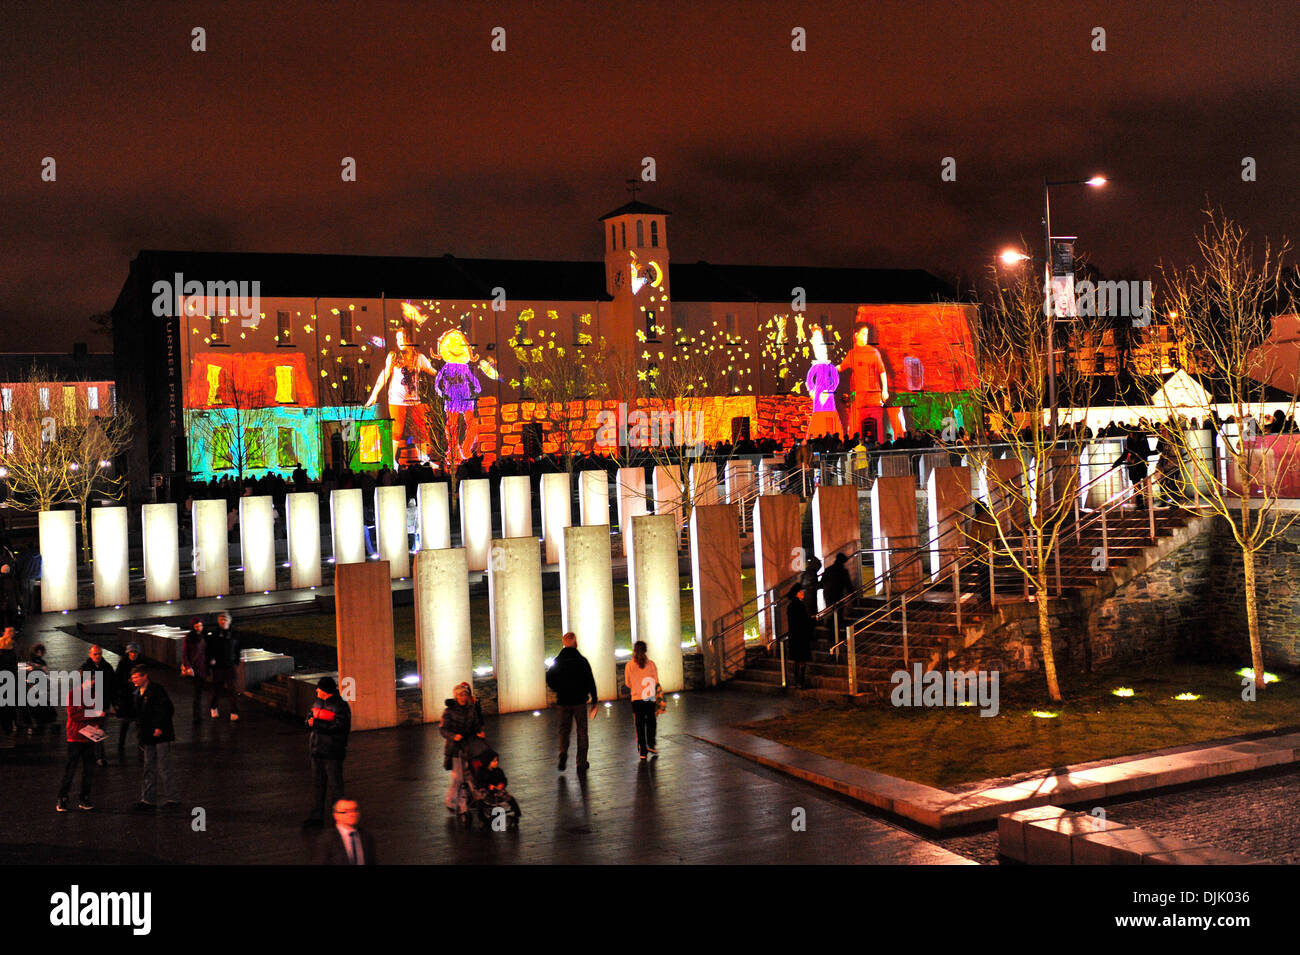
(84, 724)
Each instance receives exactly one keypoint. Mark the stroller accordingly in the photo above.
(477, 799)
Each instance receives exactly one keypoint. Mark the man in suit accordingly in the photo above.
(346, 843)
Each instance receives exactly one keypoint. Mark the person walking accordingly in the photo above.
(96, 664)
(223, 664)
(330, 722)
(461, 720)
(574, 684)
(126, 697)
(9, 666)
(84, 729)
(799, 627)
(346, 843)
(194, 661)
(154, 714)
(836, 583)
(809, 581)
(641, 677)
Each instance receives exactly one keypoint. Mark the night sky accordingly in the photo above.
(764, 155)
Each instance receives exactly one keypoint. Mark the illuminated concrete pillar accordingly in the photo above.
(949, 494)
(769, 476)
(1002, 487)
(302, 527)
(435, 522)
(593, 498)
(837, 526)
(210, 559)
(442, 631)
(1201, 443)
(347, 525)
(668, 491)
(58, 544)
(162, 564)
(108, 541)
(390, 530)
(655, 595)
(739, 477)
(557, 513)
(1098, 457)
(893, 526)
(587, 600)
(631, 502)
(778, 555)
(715, 579)
(704, 483)
(363, 625)
(257, 543)
(517, 506)
(515, 611)
(476, 521)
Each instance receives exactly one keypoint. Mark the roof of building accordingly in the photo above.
(634, 207)
(302, 275)
(56, 366)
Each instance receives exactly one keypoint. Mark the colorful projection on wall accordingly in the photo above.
(248, 380)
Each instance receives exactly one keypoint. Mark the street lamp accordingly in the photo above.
(1048, 311)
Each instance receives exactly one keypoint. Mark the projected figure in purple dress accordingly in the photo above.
(459, 388)
(823, 378)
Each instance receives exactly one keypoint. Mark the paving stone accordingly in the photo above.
(1122, 847)
(1011, 828)
(1051, 841)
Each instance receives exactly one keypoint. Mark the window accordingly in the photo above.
(218, 323)
(345, 327)
(45, 399)
(286, 451)
(651, 330)
(222, 438)
(283, 329)
(654, 234)
(371, 451)
(731, 327)
(7, 399)
(1098, 362)
(640, 233)
(284, 384)
(92, 397)
(622, 231)
(69, 405)
(214, 384)
(613, 242)
(254, 448)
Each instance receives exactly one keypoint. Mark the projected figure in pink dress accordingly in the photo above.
(823, 378)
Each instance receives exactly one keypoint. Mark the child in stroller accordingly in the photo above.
(483, 793)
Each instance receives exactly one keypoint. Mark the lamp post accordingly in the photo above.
(1048, 310)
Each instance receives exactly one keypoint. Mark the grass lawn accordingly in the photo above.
(318, 628)
(947, 746)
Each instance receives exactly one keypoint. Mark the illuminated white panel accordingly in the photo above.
(516, 506)
(435, 525)
(704, 483)
(109, 549)
(162, 564)
(739, 477)
(668, 490)
(390, 530)
(476, 521)
(302, 518)
(631, 502)
(655, 595)
(58, 543)
(442, 631)
(347, 516)
(593, 497)
(557, 513)
(210, 559)
(587, 600)
(515, 610)
(257, 543)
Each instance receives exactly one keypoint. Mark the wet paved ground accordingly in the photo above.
(251, 779)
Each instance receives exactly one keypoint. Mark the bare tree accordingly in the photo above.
(93, 447)
(36, 450)
(233, 430)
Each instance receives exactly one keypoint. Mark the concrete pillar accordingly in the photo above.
(587, 600)
(704, 484)
(257, 542)
(668, 491)
(1201, 443)
(210, 558)
(1002, 487)
(949, 493)
(347, 525)
(302, 527)
(837, 527)
(631, 502)
(162, 564)
(390, 530)
(517, 506)
(557, 513)
(1098, 457)
(108, 542)
(715, 579)
(893, 525)
(58, 545)
(363, 600)
(435, 524)
(515, 609)
(476, 521)
(739, 476)
(593, 498)
(442, 632)
(778, 555)
(655, 595)
(769, 476)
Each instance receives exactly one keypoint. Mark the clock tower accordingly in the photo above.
(636, 272)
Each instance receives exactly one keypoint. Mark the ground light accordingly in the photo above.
(482, 671)
(411, 679)
(1045, 714)
(1187, 697)
(1249, 674)
(1122, 691)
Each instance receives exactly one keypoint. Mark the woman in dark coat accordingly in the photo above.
(462, 721)
(799, 627)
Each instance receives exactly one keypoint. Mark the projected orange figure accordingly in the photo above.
(870, 386)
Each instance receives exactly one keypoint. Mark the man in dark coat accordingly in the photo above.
(571, 678)
(95, 663)
(1136, 450)
(346, 843)
(810, 583)
(154, 711)
(125, 698)
(799, 627)
(223, 664)
(330, 722)
(836, 583)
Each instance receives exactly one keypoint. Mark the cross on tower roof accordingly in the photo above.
(632, 186)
